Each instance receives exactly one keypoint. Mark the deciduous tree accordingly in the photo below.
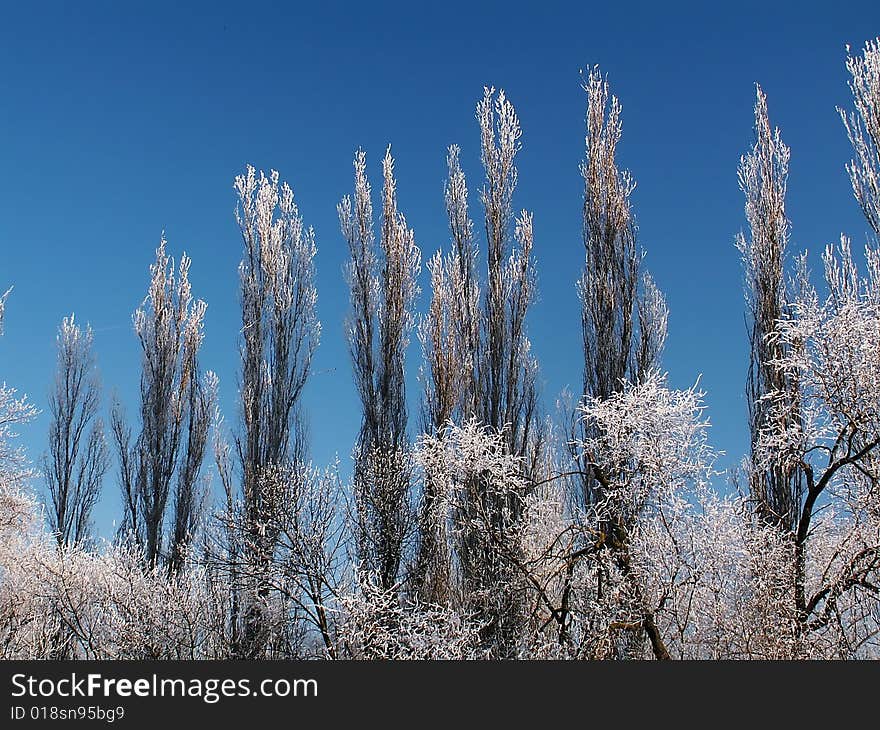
(175, 406)
(78, 455)
(383, 288)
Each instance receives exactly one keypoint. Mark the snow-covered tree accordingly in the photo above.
(176, 402)
(300, 581)
(623, 313)
(863, 128)
(478, 365)
(450, 335)
(647, 448)
(830, 347)
(763, 178)
(78, 455)
(506, 389)
(376, 624)
(279, 334)
(383, 289)
(14, 411)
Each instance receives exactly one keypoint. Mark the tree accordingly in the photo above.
(647, 448)
(376, 625)
(176, 403)
(279, 334)
(450, 331)
(14, 469)
(819, 430)
(623, 313)
(478, 362)
(623, 318)
(506, 391)
(383, 289)
(78, 455)
(450, 336)
(303, 578)
(830, 348)
(481, 492)
(763, 175)
(863, 128)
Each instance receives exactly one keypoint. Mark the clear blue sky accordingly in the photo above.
(119, 120)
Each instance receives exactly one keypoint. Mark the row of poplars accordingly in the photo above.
(499, 531)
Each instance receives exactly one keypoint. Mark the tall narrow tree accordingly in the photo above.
(479, 368)
(863, 128)
(623, 318)
(623, 313)
(506, 372)
(450, 339)
(175, 403)
(279, 334)
(383, 289)
(763, 176)
(78, 455)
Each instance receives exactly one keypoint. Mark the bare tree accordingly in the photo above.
(763, 174)
(478, 365)
(450, 331)
(623, 314)
(14, 466)
(863, 128)
(78, 455)
(190, 488)
(306, 567)
(831, 433)
(450, 339)
(506, 371)
(383, 288)
(175, 404)
(623, 317)
(279, 334)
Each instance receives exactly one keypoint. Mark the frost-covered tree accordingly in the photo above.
(478, 362)
(817, 402)
(280, 330)
(480, 489)
(763, 177)
(78, 455)
(82, 604)
(176, 401)
(863, 128)
(628, 576)
(450, 331)
(646, 446)
(478, 359)
(450, 335)
(383, 288)
(505, 384)
(623, 313)
(14, 411)
(300, 581)
(830, 347)
(377, 625)
(279, 334)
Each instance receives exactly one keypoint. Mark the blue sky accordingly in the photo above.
(120, 120)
